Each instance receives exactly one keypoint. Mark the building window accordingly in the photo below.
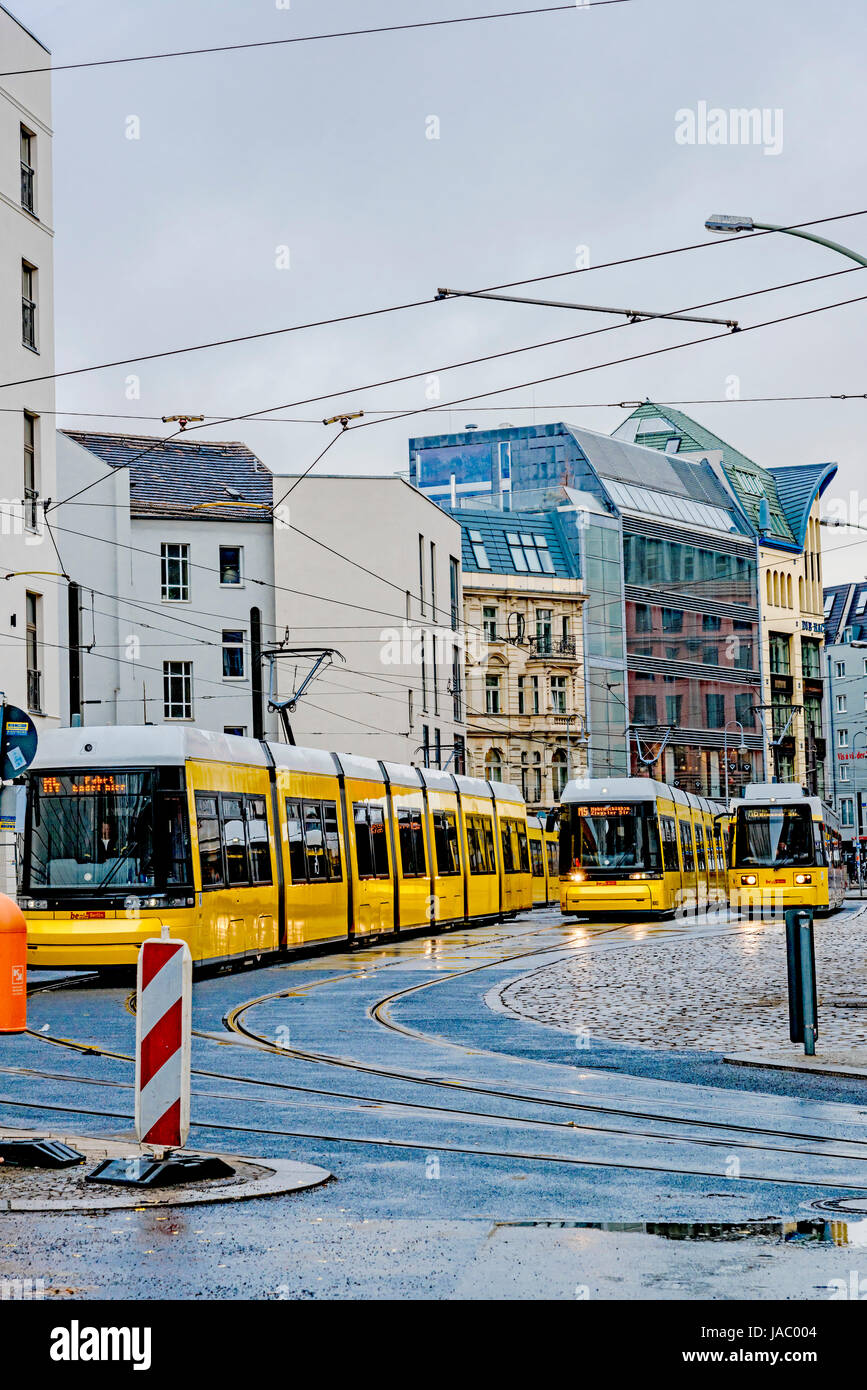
(644, 709)
(438, 748)
(489, 624)
(673, 710)
(480, 554)
(492, 694)
(494, 765)
(31, 474)
(433, 581)
(425, 744)
(744, 711)
(521, 697)
(457, 689)
(230, 564)
(33, 605)
(460, 755)
(177, 689)
(672, 620)
(454, 591)
(643, 618)
(421, 575)
(28, 170)
(558, 694)
(847, 811)
(840, 704)
(422, 649)
(530, 553)
(28, 305)
(810, 660)
(559, 772)
(175, 571)
(237, 730)
(840, 669)
(842, 738)
(780, 661)
(233, 654)
(710, 624)
(844, 773)
(544, 630)
(715, 706)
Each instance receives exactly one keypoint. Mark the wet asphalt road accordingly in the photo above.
(430, 1177)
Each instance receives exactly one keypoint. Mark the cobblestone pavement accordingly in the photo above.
(712, 994)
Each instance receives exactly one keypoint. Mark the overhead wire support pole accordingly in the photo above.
(635, 315)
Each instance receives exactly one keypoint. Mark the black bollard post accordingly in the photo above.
(801, 968)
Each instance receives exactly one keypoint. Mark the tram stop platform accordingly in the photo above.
(66, 1189)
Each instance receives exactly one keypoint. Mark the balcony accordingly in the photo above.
(552, 647)
(34, 691)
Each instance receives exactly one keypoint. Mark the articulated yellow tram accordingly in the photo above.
(246, 849)
(786, 851)
(630, 844)
(544, 860)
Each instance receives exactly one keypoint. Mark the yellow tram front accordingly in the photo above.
(632, 844)
(786, 851)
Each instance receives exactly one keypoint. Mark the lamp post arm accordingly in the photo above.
(812, 236)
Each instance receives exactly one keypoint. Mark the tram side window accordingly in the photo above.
(669, 844)
(210, 849)
(235, 839)
(523, 851)
(446, 842)
(553, 858)
(686, 847)
(509, 866)
(411, 835)
(314, 844)
(480, 840)
(699, 846)
(257, 834)
(297, 860)
(371, 849)
(537, 859)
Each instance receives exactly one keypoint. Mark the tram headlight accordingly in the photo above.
(749, 880)
(645, 875)
(33, 904)
(803, 878)
(577, 877)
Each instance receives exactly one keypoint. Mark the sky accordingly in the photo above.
(281, 185)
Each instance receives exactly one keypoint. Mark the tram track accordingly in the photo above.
(726, 1136)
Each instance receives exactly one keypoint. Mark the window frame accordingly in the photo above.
(183, 559)
(185, 675)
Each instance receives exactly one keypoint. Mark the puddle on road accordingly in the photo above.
(840, 1233)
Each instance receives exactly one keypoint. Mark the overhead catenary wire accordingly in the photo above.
(416, 304)
(314, 38)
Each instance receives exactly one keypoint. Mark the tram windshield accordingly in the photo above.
(773, 837)
(608, 837)
(106, 831)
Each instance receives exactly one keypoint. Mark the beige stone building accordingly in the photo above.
(523, 616)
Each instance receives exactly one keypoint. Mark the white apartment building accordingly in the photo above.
(170, 598)
(372, 567)
(31, 584)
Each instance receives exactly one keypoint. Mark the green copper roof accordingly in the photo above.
(750, 482)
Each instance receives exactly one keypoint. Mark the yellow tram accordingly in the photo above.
(630, 844)
(786, 851)
(544, 859)
(246, 849)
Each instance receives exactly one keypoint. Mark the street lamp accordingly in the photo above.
(742, 747)
(728, 225)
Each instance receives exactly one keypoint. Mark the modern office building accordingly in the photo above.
(668, 560)
(781, 506)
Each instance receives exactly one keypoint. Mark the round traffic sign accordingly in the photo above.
(19, 741)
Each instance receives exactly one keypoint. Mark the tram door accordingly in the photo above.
(671, 861)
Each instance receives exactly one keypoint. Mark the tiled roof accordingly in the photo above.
(848, 599)
(495, 526)
(195, 479)
(750, 482)
(798, 486)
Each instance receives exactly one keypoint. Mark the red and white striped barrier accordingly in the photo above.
(162, 1043)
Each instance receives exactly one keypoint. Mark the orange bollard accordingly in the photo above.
(13, 967)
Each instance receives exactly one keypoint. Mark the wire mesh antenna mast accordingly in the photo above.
(321, 658)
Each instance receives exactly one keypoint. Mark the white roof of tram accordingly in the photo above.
(637, 789)
(158, 745)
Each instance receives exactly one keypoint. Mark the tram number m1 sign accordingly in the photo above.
(162, 1044)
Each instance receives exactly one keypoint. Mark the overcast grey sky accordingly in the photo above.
(555, 131)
